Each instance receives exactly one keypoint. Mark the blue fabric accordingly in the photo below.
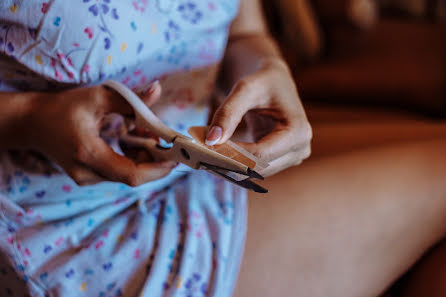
(182, 235)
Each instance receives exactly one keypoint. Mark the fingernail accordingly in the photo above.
(214, 135)
(152, 87)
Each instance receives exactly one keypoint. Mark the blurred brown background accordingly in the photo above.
(374, 54)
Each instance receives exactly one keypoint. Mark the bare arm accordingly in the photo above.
(65, 127)
(260, 83)
(249, 43)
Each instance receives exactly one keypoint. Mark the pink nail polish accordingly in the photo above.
(152, 87)
(214, 135)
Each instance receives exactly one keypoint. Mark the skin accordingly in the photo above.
(366, 210)
(336, 223)
(352, 221)
(65, 127)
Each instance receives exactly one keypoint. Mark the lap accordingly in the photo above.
(346, 225)
(175, 241)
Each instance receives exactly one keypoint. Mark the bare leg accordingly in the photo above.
(347, 225)
(427, 278)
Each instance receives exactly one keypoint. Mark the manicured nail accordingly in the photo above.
(214, 135)
(152, 87)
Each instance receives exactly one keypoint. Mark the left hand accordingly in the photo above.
(269, 91)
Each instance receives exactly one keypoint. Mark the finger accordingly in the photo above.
(113, 102)
(247, 94)
(84, 176)
(288, 160)
(115, 167)
(116, 103)
(282, 140)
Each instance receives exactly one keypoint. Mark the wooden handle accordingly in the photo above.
(144, 116)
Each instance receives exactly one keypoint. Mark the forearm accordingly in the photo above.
(14, 111)
(245, 54)
(249, 45)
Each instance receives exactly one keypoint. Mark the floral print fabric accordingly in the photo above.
(181, 235)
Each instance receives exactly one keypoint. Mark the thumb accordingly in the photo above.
(245, 96)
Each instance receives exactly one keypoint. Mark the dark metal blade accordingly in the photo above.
(254, 174)
(246, 183)
(250, 173)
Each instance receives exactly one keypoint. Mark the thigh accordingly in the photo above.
(427, 278)
(347, 225)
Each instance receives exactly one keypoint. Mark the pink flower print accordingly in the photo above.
(196, 224)
(99, 244)
(59, 241)
(136, 254)
(183, 98)
(58, 75)
(140, 5)
(66, 188)
(126, 80)
(208, 50)
(211, 6)
(89, 32)
(26, 252)
(86, 68)
(105, 233)
(44, 8)
(143, 80)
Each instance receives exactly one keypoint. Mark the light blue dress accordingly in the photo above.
(182, 235)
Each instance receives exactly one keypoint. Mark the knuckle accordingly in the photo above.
(306, 153)
(261, 154)
(250, 84)
(307, 131)
(243, 85)
(304, 131)
(133, 180)
(297, 159)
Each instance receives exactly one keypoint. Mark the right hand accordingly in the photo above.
(65, 126)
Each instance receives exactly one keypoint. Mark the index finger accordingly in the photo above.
(101, 157)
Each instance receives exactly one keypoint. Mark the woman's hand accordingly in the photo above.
(269, 91)
(65, 126)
